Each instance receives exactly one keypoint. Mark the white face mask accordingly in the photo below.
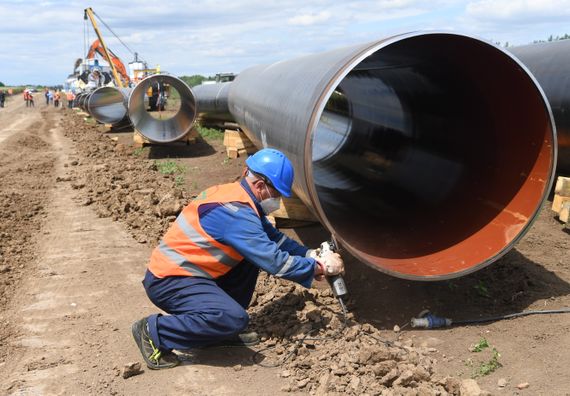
(270, 205)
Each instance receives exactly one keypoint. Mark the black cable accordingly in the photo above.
(114, 34)
(510, 316)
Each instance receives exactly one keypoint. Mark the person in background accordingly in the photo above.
(31, 99)
(56, 98)
(2, 98)
(50, 96)
(26, 98)
(70, 96)
(94, 79)
(46, 94)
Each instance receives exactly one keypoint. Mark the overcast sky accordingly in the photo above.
(41, 39)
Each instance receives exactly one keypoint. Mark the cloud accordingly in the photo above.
(42, 38)
(519, 10)
(309, 19)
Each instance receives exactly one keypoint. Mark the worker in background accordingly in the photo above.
(204, 270)
(46, 94)
(56, 98)
(70, 96)
(31, 99)
(26, 98)
(2, 98)
(94, 79)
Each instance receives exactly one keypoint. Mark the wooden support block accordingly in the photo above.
(192, 136)
(562, 186)
(564, 214)
(232, 152)
(293, 208)
(558, 201)
(237, 143)
(139, 140)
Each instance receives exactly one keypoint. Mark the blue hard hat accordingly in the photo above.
(275, 166)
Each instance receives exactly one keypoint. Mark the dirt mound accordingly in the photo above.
(122, 185)
(324, 352)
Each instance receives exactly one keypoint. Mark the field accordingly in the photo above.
(83, 209)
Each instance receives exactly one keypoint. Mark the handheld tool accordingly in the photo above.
(336, 282)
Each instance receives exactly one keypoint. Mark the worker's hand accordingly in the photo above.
(332, 264)
(313, 253)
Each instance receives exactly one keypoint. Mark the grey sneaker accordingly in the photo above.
(243, 339)
(155, 358)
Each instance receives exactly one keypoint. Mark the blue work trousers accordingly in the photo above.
(201, 311)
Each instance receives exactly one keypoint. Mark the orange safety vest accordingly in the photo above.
(187, 250)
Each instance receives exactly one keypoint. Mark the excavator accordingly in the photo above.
(97, 48)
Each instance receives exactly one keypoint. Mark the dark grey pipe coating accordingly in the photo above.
(550, 64)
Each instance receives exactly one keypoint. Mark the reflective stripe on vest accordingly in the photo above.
(187, 250)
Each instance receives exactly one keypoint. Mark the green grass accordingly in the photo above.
(482, 344)
(169, 167)
(15, 90)
(210, 133)
(488, 367)
(485, 367)
(179, 180)
(138, 151)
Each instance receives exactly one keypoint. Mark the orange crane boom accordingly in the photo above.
(106, 54)
(97, 48)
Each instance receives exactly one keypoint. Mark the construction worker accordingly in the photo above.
(31, 99)
(2, 98)
(56, 98)
(204, 271)
(70, 96)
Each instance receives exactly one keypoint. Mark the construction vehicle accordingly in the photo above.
(115, 63)
(225, 77)
(220, 78)
(89, 14)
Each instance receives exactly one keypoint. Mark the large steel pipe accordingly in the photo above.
(212, 98)
(81, 100)
(108, 105)
(427, 155)
(167, 129)
(550, 64)
(212, 101)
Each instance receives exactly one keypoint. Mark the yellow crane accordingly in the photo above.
(90, 14)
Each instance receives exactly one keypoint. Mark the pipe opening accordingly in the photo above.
(162, 101)
(432, 155)
(108, 105)
(162, 130)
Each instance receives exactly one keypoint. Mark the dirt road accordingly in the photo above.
(80, 214)
(71, 312)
